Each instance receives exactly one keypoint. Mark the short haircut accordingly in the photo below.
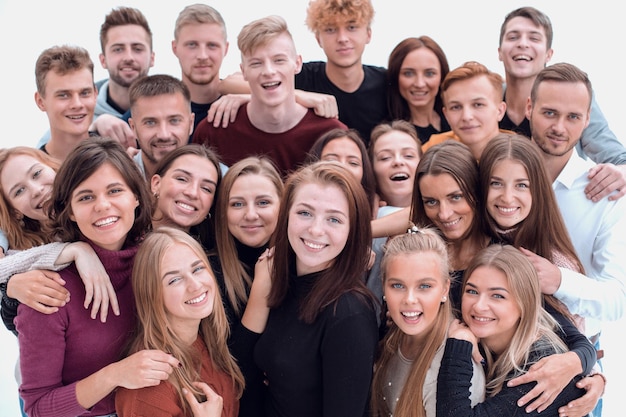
(121, 16)
(564, 73)
(260, 32)
(538, 18)
(470, 70)
(157, 85)
(62, 60)
(198, 14)
(324, 13)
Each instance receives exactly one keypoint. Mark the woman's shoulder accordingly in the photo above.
(157, 401)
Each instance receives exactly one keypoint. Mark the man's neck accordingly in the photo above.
(555, 164)
(59, 146)
(347, 79)
(276, 119)
(516, 97)
(203, 93)
(119, 95)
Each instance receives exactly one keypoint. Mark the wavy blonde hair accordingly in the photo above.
(154, 330)
(536, 329)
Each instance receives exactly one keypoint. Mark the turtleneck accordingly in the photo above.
(248, 255)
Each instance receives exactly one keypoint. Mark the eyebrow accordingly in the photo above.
(312, 208)
(191, 175)
(176, 271)
(88, 191)
(469, 284)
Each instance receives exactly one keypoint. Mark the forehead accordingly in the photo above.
(174, 103)
(523, 24)
(127, 34)
(281, 44)
(73, 80)
(470, 89)
(201, 31)
(573, 96)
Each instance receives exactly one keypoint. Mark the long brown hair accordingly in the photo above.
(23, 232)
(411, 401)
(347, 271)
(544, 216)
(154, 330)
(237, 279)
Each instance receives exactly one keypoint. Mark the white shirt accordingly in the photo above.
(598, 232)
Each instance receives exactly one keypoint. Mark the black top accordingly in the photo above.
(454, 380)
(323, 368)
(362, 109)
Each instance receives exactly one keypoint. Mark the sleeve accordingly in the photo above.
(42, 357)
(598, 142)
(600, 295)
(576, 341)
(348, 349)
(38, 257)
(453, 389)
(241, 344)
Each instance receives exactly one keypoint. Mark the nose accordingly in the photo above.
(445, 211)
(268, 68)
(76, 101)
(193, 283)
(481, 303)
(342, 34)
(418, 80)
(191, 190)
(102, 203)
(467, 113)
(398, 159)
(316, 227)
(411, 296)
(163, 131)
(507, 193)
(251, 212)
(202, 52)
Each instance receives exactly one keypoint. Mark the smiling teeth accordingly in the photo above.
(186, 206)
(314, 245)
(399, 177)
(274, 84)
(106, 222)
(411, 314)
(197, 299)
(507, 209)
(452, 223)
(482, 319)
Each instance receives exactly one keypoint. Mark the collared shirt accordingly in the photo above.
(598, 232)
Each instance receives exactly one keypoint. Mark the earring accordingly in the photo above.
(156, 196)
(384, 298)
(444, 299)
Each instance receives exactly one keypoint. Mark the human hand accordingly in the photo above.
(603, 180)
(132, 151)
(549, 274)
(324, 105)
(224, 110)
(552, 374)
(98, 287)
(145, 368)
(212, 407)
(460, 330)
(580, 407)
(115, 128)
(41, 290)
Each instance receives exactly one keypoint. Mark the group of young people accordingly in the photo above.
(312, 238)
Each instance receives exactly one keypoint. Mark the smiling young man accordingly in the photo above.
(473, 106)
(525, 49)
(272, 123)
(200, 44)
(161, 118)
(343, 30)
(67, 94)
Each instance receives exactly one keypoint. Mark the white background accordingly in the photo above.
(587, 34)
